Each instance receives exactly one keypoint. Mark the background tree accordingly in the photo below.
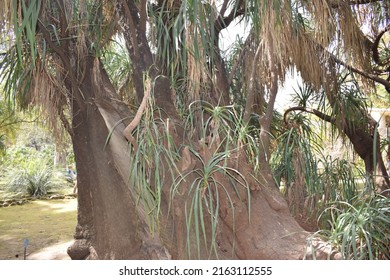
(187, 174)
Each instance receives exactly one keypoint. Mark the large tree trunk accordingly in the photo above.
(242, 218)
(106, 213)
(112, 223)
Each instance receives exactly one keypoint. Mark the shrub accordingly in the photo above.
(36, 179)
(361, 229)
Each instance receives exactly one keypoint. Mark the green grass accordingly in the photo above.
(43, 222)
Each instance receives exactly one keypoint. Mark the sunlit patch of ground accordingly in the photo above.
(54, 252)
(60, 207)
(43, 223)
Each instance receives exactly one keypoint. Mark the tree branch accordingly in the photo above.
(369, 76)
(315, 112)
(16, 122)
(362, 2)
(223, 8)
(250, 100)
(65, 122)
(337, 3)
(143, 15)
(372, 77)
(222, 22)
(132, 29)
(375, 53)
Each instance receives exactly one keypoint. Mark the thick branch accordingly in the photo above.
(315, 112)
(250, 100)
(361, 140)
(65, 121)
(223, 22)
(223, 8)
(132, 27)
(370, 76)
(58, 50)
(222, 83)
(143, 15)
(337, 3)
(266, 120)
(375, 53)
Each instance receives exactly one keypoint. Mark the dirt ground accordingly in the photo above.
(55, 252)
(48, 225)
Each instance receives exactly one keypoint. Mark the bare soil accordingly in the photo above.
(45, 223)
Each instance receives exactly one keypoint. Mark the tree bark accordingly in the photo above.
(114, 223)
(105, 227)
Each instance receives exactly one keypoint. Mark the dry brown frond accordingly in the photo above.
(195, 66)
(309, 61)
(355, 45)
(284, 46)
(323, 19)
(49, 94)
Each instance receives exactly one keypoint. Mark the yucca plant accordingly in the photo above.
(151, 164)
(36, 179)
(205, 191)
(339, 179)
(360, 230)
(296, 168)
(214, 178)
